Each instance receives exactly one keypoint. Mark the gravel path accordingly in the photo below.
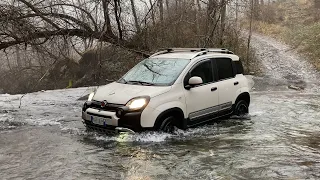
(284, 66)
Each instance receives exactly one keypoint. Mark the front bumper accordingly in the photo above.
(106, 129)
(130, 122)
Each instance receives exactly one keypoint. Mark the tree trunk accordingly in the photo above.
(107, 24)
(19, 64)
(161, 9)
(135, 16)
(198, 14)
(212, 20)
(152, 13)
(256, 12)
(116, 6)
(249, 36)
(237, 29)
(237, 14)
(223, 20)
(211, 10)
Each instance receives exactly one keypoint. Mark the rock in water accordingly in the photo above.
(294, 87)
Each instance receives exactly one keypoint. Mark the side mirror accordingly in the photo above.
(193, 81)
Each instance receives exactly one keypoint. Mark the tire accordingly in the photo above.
(241, 108)
(168, 125)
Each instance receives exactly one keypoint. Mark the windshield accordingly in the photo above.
(155, 72)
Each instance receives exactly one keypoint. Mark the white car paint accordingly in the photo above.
(118, 93)
(176, 96)
(199, 99)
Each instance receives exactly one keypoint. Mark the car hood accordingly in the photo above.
(118, 93)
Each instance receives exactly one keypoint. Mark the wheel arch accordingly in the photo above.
(176, 112)
(244, 96)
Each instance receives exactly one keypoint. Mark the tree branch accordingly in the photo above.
(72, 32)
(64, 16)
(81, 9)
(39, 13)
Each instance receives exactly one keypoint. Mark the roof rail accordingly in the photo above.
(222, 50)
(199, 54)
(200, 51)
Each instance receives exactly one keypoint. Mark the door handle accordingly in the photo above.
(236, 83)
(214, 89)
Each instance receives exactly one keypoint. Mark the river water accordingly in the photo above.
(45, 138)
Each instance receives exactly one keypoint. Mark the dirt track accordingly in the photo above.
(283, 65)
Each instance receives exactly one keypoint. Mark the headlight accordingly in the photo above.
(138, 103)
(91, 96)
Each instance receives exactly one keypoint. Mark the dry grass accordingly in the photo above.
(273, 30)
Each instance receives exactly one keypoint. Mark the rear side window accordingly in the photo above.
(239, 67)
(225, 69)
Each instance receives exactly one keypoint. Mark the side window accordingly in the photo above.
(203, 70)
(225, 69)
(239, 67)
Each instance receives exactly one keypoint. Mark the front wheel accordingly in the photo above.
(168, 125)
(242, 108)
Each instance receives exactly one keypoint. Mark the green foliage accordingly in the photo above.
(70, 84)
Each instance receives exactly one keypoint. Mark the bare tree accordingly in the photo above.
(45, 39)
(152, 12)
(161, 9)
(256, 9)
(117, 15)
(252, 10)
(223, 12)
(36, 22)
(133, 7)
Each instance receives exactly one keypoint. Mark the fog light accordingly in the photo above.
(121, 111)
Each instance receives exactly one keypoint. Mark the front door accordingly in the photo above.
(202, 100)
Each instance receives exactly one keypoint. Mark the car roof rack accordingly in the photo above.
(201, 51)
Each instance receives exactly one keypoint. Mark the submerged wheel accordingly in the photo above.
(241, 108)
(168, 125)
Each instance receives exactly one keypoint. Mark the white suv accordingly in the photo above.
(179, 87)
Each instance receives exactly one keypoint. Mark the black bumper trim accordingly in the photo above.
(130, 120)
(99, 115)
(105, 129)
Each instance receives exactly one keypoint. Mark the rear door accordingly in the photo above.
(202, 100)
(227, 83)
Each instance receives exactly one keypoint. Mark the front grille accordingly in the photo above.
(97, 128)
(109, 107)
(99, 115)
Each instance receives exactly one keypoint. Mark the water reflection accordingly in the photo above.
(279, 141)
(186, 154)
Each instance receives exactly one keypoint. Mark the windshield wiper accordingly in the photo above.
(124, 81)
(141, 82)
